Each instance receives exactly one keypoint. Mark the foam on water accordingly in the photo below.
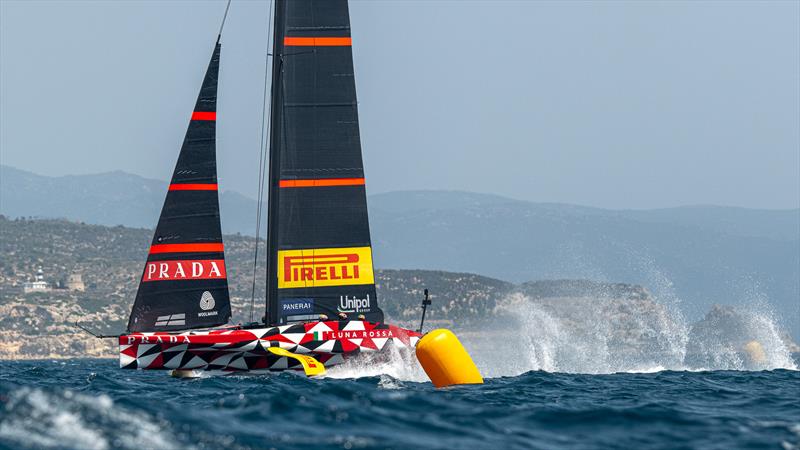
(591, 338)
(753, 329)
(533, 337)
(594, 336)
(396, 363)
(67, 419)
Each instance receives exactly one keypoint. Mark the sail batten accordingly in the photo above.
(184, 283)
(320, 254)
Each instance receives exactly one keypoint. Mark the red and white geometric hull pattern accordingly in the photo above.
(236, 348)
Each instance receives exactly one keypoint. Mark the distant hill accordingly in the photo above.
(735, 221)
(112, 198)
(693, 256)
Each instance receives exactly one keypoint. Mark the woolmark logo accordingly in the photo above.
(325, 267)
(353, 304)
(207, 301)
(205, 269)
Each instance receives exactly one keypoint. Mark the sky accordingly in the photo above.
(629, 105)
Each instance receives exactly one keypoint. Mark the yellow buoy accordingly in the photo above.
(445, 360)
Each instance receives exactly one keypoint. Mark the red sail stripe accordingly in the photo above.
(321, 182)
(186, 248)
(193, 187)
(204, 115)
(317, 41)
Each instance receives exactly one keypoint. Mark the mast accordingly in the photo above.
(276, 112)
(319, 251)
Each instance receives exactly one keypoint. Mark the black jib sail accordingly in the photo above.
(319, 251)
(184, 284)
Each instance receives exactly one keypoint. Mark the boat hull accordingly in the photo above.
(241, 349)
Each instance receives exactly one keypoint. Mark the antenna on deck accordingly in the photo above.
(425, 302)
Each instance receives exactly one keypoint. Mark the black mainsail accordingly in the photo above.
(319, 251)
(184, 284)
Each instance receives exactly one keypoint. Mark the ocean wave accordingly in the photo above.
(91, 404)
(34, 418)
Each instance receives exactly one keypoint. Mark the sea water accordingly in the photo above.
(555, 379)
(91, 404)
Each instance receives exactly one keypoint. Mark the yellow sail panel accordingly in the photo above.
(318, 267)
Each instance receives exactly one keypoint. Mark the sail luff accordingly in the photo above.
(184, 282)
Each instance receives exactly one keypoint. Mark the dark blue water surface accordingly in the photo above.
(92, 404)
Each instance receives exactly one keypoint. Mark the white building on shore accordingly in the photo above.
(37, 285)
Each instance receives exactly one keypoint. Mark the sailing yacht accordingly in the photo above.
(321, 304)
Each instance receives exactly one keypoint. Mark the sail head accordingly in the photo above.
(184, 284)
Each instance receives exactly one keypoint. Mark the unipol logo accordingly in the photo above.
(353, 304)
(184, 270)
(325, 267)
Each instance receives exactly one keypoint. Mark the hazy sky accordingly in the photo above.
(610, 104)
